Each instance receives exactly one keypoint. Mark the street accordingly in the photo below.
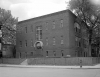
(47, 72)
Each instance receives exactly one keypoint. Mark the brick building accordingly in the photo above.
(59, 34)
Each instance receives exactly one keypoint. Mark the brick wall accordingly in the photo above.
(53, 61)
(12, 61)
(58, 33)
(64, 61)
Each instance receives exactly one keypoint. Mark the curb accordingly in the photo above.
(52, 67)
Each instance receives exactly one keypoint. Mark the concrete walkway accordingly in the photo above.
(51, 66)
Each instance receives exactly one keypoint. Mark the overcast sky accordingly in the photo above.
(25, 9)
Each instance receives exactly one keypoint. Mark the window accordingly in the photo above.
(39, 32)
(32, 53)
(0, 33)
(77, 27)
(53, 24)
(20, 43)
(78, 41)
(26, 43)
(47, 53)
(61, 23)
(62, 53)
(46, 25)
(84, 43)
(0, 46)
(84, 54)
(26, 29)
(19, 55)
(31, 42)
(32, 28)
(46, 41)
(0, 40)
(53, 40)
(76, 53)
(54, 52)
(0, 27)
(62, 41)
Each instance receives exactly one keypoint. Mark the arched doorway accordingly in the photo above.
(38, 49)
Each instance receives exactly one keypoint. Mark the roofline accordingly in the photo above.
(46, 15)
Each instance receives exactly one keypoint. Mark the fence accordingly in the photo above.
(11, 60)
(53, 61)
(64, 61)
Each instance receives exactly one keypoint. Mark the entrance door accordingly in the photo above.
(38, 49)
(38, 53)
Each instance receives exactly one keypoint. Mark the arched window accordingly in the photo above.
(77, 27)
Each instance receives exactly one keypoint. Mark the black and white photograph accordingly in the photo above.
(49, 38)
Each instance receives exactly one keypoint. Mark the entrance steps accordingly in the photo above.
(25, 62)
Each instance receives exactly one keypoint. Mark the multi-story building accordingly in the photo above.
(59, 34)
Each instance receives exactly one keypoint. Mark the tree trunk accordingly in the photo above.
(90, 41)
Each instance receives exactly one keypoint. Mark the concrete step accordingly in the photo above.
(25, 62)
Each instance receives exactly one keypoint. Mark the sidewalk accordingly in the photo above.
(51, 66)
